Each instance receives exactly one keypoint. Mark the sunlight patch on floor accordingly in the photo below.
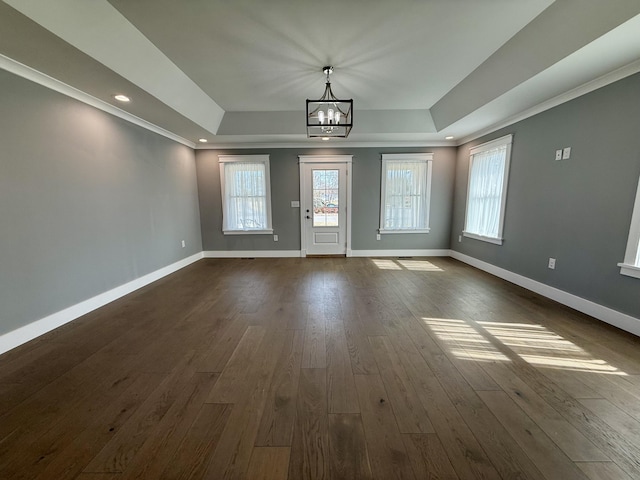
(537, 345)
(533, 343)
(412, 265)
(465, 342)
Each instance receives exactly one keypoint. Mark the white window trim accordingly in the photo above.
(413, 157)
(498, 142)
(631, 266)
(264, 159)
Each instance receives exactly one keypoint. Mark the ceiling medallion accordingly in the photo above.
(329, 117)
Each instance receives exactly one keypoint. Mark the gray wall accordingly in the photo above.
(578, 210)
(285, 186)
(87, 202)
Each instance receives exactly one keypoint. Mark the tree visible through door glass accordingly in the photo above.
(325, 198)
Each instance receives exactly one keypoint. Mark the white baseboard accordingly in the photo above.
(251, 253)
(28, 332)
(401, 253)
(39, 327)
(606, 314)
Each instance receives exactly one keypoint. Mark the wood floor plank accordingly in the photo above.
(269, 463)
(276, 425)
(463, 449)
(603, 471)
(106, 421)
(348, 455)
(234, 382)
(153, 457)
(615, 417)
(387, 453)
(310, 446)
(315, 351)
(507, 457)
(190, 460)
(120, 451)
(407, 408)
(230, 460)
(428, 457)
(576, 445)
(222, 349)
(341, 387)
(538, 446)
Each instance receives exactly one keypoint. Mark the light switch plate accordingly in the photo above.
(558, 154)
(566, 153)
(295, 204)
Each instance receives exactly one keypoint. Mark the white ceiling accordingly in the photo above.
(238, 72)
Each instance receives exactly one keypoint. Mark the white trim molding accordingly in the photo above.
(51, 83)
(606, 314)
(402, 253)
(32, 330)
(251, 253)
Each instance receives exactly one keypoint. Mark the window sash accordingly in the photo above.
(405, 192)
(245, 194)
(487, 188)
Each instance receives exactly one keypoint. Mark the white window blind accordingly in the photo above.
(405, 192)
(486, 195)
(246, 198)
(631, 264)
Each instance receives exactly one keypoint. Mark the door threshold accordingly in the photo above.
(342, 255)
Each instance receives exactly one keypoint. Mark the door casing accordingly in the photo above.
(306, 162)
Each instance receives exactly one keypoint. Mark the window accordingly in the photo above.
(246, 195)
(405, 192)
(487, 192)
(631, 264)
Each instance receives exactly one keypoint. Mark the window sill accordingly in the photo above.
(495, 241)
(393, 232)
(629, 270)
(248, 232)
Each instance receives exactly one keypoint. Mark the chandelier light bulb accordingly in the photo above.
(330, 115)
(337, 116)
(321, 116)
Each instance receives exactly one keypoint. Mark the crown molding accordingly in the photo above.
(579, 91)
(327, 145)
(51, 83)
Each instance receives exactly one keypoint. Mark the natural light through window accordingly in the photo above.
(401, 264)
(487, 190)
(246, 195)
(405, 193)
(533, 343)
(464, 341)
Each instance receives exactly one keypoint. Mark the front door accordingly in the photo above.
(324, 189)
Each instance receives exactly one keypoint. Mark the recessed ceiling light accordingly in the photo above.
(450, 137)
(325, 138)
(122, 98)
(202, 140)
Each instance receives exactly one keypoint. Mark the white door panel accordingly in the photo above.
(324, 189)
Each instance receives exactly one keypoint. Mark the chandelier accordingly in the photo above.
(328, 116)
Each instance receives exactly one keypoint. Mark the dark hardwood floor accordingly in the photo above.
(337, 368)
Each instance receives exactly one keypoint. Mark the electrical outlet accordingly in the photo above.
(377, 236)
(566, 153)
(295, 203)
(275, 238)
(552, 263)
(183, 244)
(558, 154)
(459, 238)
